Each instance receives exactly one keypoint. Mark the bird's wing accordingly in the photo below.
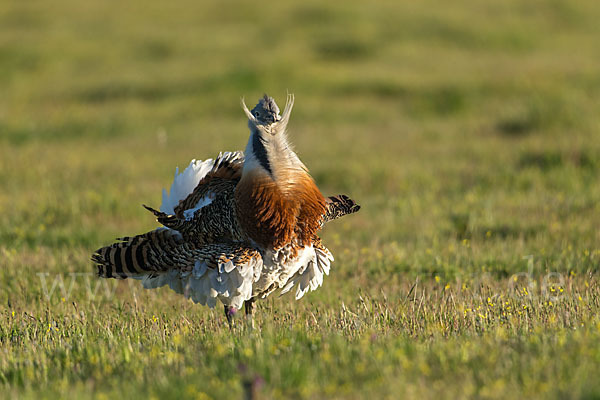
(199, 182)
(206, 213)
(338, 206)
(224, 271)
(225, 172)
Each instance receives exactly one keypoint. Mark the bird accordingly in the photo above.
(236, 228)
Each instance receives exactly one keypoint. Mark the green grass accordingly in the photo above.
(468, 132)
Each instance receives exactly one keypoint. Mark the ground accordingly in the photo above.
(468, 131)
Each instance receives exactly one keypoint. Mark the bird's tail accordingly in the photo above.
(338, 206)
(147, 254)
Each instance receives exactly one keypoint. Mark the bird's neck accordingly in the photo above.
(272, 156)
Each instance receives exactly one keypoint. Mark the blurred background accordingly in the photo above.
(470, 120)
(445, 121)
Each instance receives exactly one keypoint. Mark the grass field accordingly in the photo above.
(468, 132)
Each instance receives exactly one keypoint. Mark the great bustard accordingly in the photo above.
(235, 228)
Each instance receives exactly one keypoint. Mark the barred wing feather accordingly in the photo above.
(192, 189)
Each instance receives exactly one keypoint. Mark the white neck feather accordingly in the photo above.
(276, 158)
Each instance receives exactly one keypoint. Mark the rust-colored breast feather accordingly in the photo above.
(312, 208)
(273, 218)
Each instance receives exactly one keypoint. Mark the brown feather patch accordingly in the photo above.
(273, 218)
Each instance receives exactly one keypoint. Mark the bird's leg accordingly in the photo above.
(249, 307)
(229, 312)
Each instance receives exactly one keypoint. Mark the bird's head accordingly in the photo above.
(265, 115)
(268, 148)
